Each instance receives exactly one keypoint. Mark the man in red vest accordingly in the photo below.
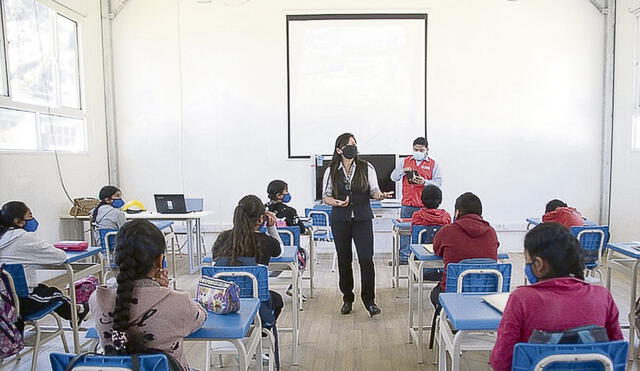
(416, 172)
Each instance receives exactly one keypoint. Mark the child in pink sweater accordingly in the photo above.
(558, 297)
(142, 313)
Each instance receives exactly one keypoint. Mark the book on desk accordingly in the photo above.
(498, 301)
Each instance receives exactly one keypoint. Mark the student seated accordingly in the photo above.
(279, 196)
(107, 215)
(430, 214)
(245, 245)
(468, 237)
(557, 211)
(138, 315)
(20, 245)
(558, 298)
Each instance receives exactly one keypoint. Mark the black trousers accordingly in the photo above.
(360, 232)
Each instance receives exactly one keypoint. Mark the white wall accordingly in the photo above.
(33, 177)
(625, 197)
(514, 95)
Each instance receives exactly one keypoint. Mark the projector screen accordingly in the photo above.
(363, 74)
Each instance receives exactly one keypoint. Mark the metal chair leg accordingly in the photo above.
(61, 329)
(36, 346)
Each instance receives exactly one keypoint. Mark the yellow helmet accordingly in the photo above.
(134, 206)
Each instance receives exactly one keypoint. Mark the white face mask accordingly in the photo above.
(419, 156)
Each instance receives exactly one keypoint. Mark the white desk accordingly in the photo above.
(195, 257)
(195, 261)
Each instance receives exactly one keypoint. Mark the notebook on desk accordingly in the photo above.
(428, 247)
(498, 301)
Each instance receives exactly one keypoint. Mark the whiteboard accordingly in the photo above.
(363, 74)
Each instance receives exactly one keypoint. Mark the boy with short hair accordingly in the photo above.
(430, 214)
(468, 237)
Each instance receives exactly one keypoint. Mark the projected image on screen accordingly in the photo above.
(363, 74)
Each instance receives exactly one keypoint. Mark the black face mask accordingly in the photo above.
(349, 152)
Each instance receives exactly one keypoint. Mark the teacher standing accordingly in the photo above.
(349, 184)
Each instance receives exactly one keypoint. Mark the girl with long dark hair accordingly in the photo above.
(245, 245)
(558, 298)
(349, 184)
(142, 314)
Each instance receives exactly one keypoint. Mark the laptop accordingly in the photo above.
(170, 204)
(194, 204)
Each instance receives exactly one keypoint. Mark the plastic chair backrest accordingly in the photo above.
(319, 218)
(19, 279)
(260, 272)
(108, 238)
(478, 275)
(286, 234)
(424, 233)
(592, 239)
(148, 362)
(570, 356)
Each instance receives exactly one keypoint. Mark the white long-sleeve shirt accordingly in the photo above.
(18, 246)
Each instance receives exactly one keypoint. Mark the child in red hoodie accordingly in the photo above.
(468, 237)
(558, 298)
(430, 214)
(557, 211)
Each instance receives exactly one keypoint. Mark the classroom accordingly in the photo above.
(319, 185)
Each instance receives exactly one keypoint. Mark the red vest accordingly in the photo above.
(412, 193)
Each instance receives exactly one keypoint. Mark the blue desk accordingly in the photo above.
(467, 314)
(624, 257)
(399, 229)
(75, 270)
(232, 327)
(536, 221)
(420, 259)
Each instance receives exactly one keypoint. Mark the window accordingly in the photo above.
(40, 96)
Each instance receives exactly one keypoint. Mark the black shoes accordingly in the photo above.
(347, 307)
(373, 309)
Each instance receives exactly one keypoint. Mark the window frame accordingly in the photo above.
(72, 113)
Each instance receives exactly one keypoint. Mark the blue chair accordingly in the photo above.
(253, 281)
(611, 356)
(147, 362)
(593, 239)
(474, 275)
(108, 244)
(478, 275)
(15, 275)
(424, 234)
(290, 236)
(320, 222)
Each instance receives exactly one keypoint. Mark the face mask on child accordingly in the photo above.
(286, 198)
(31, 225)
(117, 203)
(528, 272)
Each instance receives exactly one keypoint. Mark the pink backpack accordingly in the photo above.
(84, 288)
(11, 341)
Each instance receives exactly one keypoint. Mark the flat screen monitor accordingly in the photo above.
(384, 165)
